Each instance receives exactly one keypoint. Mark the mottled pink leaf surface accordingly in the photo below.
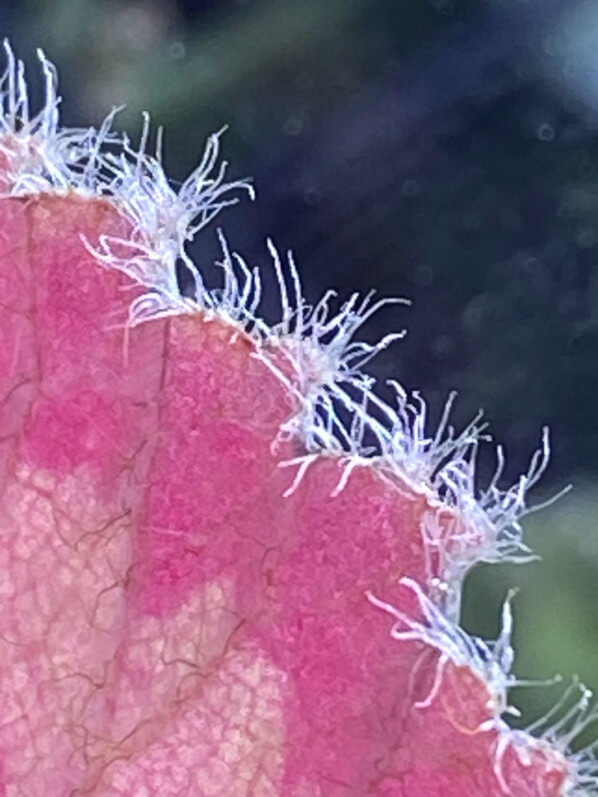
(170, 622)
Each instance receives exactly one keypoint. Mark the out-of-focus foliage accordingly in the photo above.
(445, 150)
(556, 623)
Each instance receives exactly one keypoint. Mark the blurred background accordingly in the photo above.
(441, 150)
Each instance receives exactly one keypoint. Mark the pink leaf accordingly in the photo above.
(209, 584)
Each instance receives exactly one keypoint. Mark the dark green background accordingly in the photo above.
(437, 149)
